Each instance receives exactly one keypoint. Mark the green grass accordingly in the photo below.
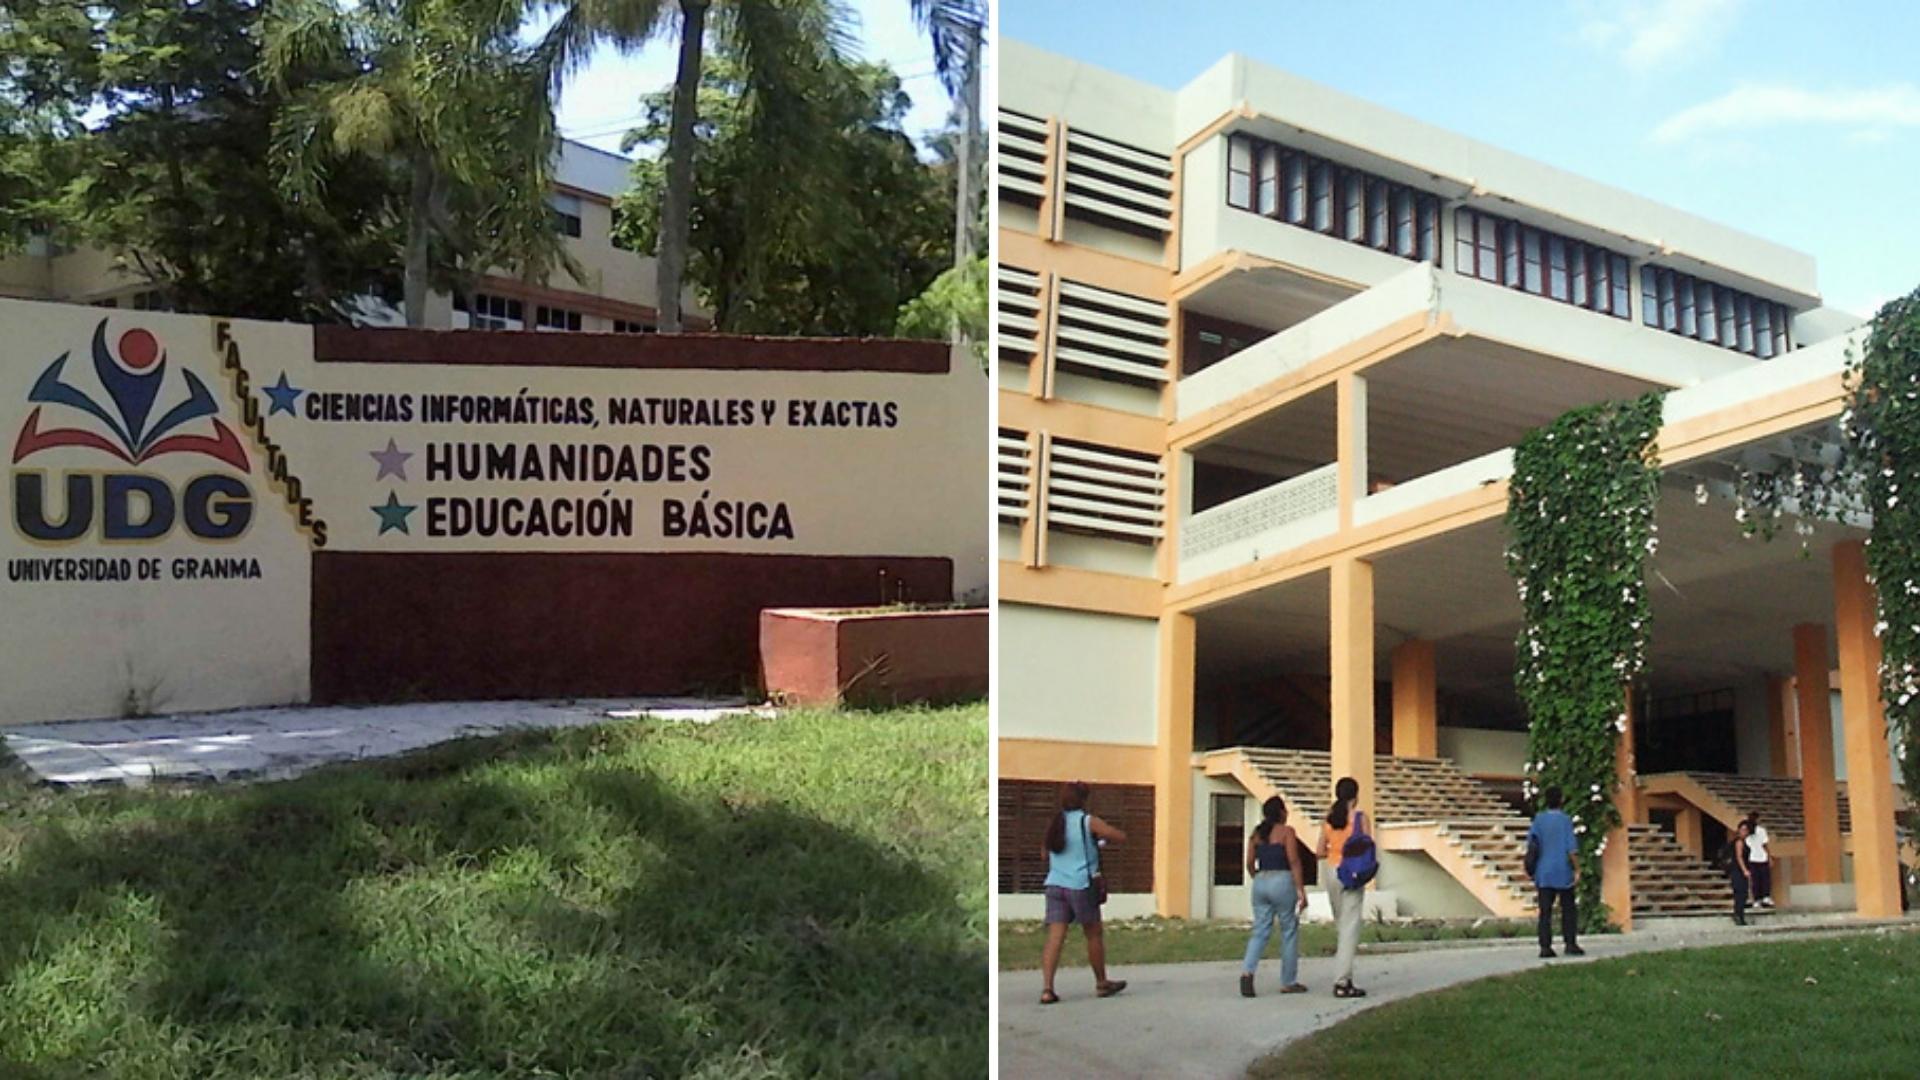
(1178, 941)
(1838, 1006)
(791, 897)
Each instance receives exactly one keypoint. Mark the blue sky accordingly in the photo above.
(602, 101)
(1796, 122)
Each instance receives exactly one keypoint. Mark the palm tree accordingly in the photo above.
(957, 28)
(444, 94)
(778, 42)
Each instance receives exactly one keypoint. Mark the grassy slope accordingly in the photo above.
(1822, 1007)
(750, 898)
(1161, 941)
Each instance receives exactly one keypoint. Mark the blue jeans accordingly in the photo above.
(1274, 897)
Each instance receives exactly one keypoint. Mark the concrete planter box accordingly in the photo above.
(873, 657)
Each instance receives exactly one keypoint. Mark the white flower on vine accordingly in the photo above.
(1700, 493)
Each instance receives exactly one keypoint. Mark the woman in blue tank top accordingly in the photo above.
(1073, 860)
(1279, 892)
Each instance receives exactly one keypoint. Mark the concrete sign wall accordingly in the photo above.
(208, 513)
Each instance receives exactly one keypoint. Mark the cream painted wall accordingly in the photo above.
(1424, 890)
(72, 649)
(1480, 751)
(1106, 393)
(1076, 676)
(1043, 84)
(1100, 554)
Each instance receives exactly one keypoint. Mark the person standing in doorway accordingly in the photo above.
(1740, 874)
(1279, 892)
(1759, 861)
(1555, 874)
(1343, 821)
(1073, 867)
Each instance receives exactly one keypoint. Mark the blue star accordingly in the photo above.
(283, 394)
(393, 515)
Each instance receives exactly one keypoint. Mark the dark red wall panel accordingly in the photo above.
(398, 627)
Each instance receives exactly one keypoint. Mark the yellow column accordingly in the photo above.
(1876, 867)
(1686, 832)
(1817, 806)
(1173, 770)
(1780, 745)
(1616, 868)
(1415, 701)
(1352, 670)
(1350, 432)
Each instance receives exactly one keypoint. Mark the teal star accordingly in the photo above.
(283, 395)
(393, 515)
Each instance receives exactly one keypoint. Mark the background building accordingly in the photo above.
(1264, 350)
(615, 294)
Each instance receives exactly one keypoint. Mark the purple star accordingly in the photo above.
(392, 461)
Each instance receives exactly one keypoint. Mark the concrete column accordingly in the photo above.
(1817, 805)
(1352, 669)
(1783, 732)
(1416, 704)
(1616, 867)
(1173, 769)
(1686, 832)
(1351, 435)
(1876, 864)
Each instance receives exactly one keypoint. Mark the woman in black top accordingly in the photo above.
(1279, 892)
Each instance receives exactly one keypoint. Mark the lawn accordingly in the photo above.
(1828, 1006)
(1179, 941)
(753, 898)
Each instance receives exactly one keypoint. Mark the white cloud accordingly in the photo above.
(1866, 114)
(1652, 32)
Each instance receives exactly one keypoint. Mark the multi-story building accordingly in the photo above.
(1263, 352)
(615, 293)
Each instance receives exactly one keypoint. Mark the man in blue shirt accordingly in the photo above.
(1556, 873)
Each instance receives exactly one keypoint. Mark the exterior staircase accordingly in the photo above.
(1428, 805)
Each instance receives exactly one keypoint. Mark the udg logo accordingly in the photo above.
(144, 416)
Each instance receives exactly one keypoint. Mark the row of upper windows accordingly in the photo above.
(1685, 305)
(1314, 193)
(1541, 263)
(490, 311)
(1289, 185)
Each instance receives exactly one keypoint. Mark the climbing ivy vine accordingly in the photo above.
(1580, 528)
(1882, 426)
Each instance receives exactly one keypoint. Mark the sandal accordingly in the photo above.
(1108, 989)
(1048, 997)
(1348, 990)
(1293, 988)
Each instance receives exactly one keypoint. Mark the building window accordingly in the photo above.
(623, 326)
(490, 312)
(1287, 185)
(553, 318)
(1229, 821)
(1685, 305)
(150, 300)
(566, 214)
(1539, 262)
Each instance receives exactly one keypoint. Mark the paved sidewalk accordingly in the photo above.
(266, 744)
(1189, 1020)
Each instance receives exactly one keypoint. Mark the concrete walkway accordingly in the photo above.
(267, 744)
(1189, 1020)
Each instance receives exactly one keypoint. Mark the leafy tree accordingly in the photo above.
(954, 305)
(444, 98)
(170, 171)
(829, 236)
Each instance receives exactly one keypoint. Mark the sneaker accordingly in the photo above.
(1246, 986)
(1575, 950)
(1548, 953)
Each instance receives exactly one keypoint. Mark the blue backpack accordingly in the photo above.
(1359, 861)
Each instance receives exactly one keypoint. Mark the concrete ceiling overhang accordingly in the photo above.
(1444, 401)
(1270, 296)
(1724, 606)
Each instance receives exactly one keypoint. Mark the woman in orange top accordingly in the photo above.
(1343, 819)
